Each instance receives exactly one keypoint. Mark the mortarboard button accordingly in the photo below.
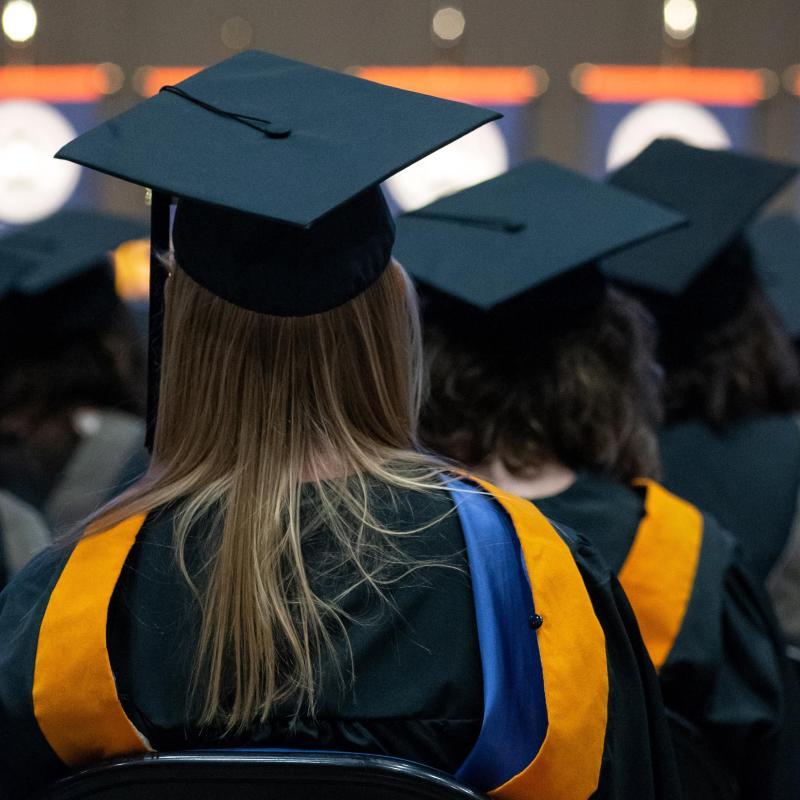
(535, 621)
(277, 131)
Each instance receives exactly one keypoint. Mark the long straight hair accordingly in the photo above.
(254, 411)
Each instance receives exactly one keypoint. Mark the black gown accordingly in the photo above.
(417, 688)
(725, 672)
(748, 477)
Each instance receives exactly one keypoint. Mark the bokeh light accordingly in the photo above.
(236, 33)
(33, 184)
(448, 25)
(19, 21)
(476, 157)
(680, 18)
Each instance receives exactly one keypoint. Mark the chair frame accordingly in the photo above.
(270, 768)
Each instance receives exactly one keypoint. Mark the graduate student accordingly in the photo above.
(543, 381)
(72, 369)
(732, 383)
(292, 571)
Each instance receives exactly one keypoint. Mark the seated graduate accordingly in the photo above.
(543, 381)
(731, 442)
(292, 571)
(71, 385)
(775, 245)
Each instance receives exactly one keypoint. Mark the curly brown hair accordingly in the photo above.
(734, 364)
(586, 394)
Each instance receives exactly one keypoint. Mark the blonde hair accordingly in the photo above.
(255, 410)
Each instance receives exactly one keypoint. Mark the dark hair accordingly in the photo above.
(74, 346)
(585, 395)
(731, 365)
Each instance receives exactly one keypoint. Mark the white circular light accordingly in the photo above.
(449, 24)
(32, 183)
(473, 158)
(19, 20)
(675, 119)
(680, 18)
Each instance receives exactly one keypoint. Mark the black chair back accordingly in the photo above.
(259, 775)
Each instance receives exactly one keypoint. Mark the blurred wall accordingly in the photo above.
(554, 34)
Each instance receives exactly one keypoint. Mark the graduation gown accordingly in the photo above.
(705, 622)
(747, 477)
(513, 661)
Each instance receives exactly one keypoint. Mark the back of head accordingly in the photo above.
(275, 427)
(725, 351)
(583, 393)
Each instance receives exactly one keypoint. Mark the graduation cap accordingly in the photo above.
(45, 254)
(56, 279)
(276, 166)
(775, 245)
(719, 191)
(531, 236)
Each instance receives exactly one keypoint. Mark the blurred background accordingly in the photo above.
(587, 84)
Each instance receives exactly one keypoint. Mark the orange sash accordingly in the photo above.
(75, 698)
(659, 573)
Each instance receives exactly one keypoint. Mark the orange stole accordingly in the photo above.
(75, 699)
(572, 648)
(659, 573)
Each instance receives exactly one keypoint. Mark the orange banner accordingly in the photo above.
(635, 84)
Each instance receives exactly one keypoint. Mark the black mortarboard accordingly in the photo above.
(40, 256)
(276, 165)
(56, 280)
(775, 245)
(719, 191)
(517, 237)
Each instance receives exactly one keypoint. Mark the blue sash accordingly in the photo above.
(514, 713)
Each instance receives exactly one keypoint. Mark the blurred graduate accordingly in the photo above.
(72, 373)
(292, 571)
(543, 380)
